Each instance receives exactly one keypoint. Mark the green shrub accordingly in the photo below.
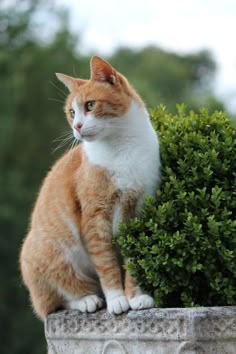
(183, 248)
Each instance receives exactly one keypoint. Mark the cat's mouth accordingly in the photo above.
(88, 136)
(84, 135)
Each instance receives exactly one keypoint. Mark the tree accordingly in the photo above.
(169, 78)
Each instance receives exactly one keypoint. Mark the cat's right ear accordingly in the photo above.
(70, 82)
(102, 71)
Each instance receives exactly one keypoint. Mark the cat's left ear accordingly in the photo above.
(70, 82)
(101, 70)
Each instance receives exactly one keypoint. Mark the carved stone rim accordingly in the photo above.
(204, 323)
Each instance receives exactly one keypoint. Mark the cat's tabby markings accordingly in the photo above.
(68, 258)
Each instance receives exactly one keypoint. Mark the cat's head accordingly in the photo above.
(96, 108)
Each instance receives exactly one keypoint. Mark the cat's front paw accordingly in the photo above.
(89, 303)
(118, 305)
(140, 302)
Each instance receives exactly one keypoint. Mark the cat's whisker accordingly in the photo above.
(74, 72)
(72, 150)
(73, 144)
(63, 136)
(63, 143)
(67, 138)
(56, 100)
(58, 88)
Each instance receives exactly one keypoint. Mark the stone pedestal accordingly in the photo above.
(154, 331)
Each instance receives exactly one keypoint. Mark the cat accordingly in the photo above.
(68, 259)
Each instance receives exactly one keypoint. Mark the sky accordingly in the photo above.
(183, 26)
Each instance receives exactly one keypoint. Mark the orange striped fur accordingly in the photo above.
(68, 258)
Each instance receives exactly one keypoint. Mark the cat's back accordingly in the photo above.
(57, 194)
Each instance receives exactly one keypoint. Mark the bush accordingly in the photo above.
(183, 248)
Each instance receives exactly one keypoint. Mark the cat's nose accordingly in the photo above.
(78, 126)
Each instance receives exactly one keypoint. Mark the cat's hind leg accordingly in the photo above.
(45, 300)
(56, 284)
(63, 294)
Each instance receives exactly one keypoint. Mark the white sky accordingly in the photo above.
(179, 25)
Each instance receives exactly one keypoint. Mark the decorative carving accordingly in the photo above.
(75, 323)
(191, 348)
(226, 327)
(113, 347)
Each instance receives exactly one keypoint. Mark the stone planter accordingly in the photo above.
(154, 331)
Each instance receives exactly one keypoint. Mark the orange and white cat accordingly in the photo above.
(68, 258)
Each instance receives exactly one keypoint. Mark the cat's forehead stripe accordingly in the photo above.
(75, 104)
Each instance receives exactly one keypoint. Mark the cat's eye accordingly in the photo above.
(89, 106)
(72, 113)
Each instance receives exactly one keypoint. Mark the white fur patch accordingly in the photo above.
(117, 302)
(71, 226)
(129, 151)
(89, 303)
(78, 118)
(140, 302)
(116, 219)
(77, 255)
(81, 262)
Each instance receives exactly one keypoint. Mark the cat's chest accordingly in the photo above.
(127, 172)
(133, 171)
(132, 168)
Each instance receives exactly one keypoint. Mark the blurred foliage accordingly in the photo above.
(168, 78)
(30, 120)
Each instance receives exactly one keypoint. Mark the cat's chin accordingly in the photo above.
(89, 137)
(85, 137)
(77, 136)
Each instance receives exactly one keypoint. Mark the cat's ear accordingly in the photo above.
(70, 82)
(101, 70)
